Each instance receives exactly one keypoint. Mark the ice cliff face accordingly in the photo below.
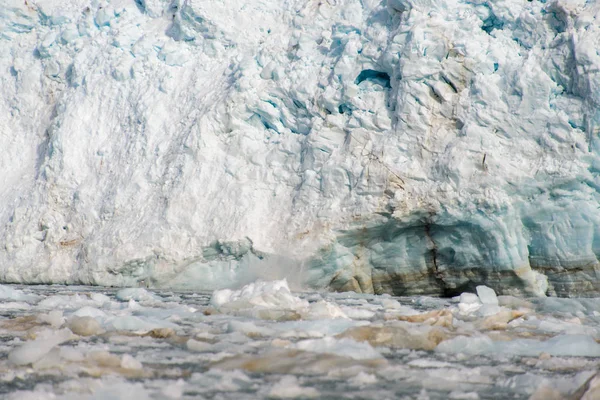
(402, 146)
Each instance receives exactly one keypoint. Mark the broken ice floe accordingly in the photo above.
(94, 340)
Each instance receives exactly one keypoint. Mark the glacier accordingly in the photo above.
(380, 146)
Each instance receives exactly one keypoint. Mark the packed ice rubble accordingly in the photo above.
(399, 146)
(266, 341)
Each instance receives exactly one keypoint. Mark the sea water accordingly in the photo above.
(265, 341)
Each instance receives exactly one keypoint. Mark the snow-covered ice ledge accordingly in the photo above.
(382, 146)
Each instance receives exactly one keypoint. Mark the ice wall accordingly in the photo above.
(402, 146)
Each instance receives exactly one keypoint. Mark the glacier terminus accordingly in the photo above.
(381, 146)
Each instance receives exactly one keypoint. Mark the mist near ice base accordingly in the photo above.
(380, 146)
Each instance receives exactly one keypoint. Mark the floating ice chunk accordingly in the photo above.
(541, 388)
(133, 323)
(363, 379)
(71, 354)
(391, 304)
(457, 395)
(128, 362)
(424, 363)
(66, 302)
(317, 328)
(399, 335)
(104, 358)
(84, 326)
(469, 303)
(324, 310)
(54, 318)
(342, 347)
(563, 345)
(137, 294)
(288, 388)
(469, 298)
(261, 294)
(162, 333)
(559, 305)
(88, 311)
(122, 390)
(357, 313)
(394, 306)
(487, 295)
(100, 298)
(249, 329)
(466, 345)
(199, 346)
(441, 317)
(174, 390)
(9, 293)
(34, 350)
(514, 302)
(590, 390)
(498, 320)
(487, 310)
(49, 360)
(572, 346)
(572, 326)
(15, 305)
(133, 305)
(222, 380)
(31, 395)
(484, 304)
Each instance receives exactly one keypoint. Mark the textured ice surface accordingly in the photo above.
(260, 294)
(180, 346)
(399, 146)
